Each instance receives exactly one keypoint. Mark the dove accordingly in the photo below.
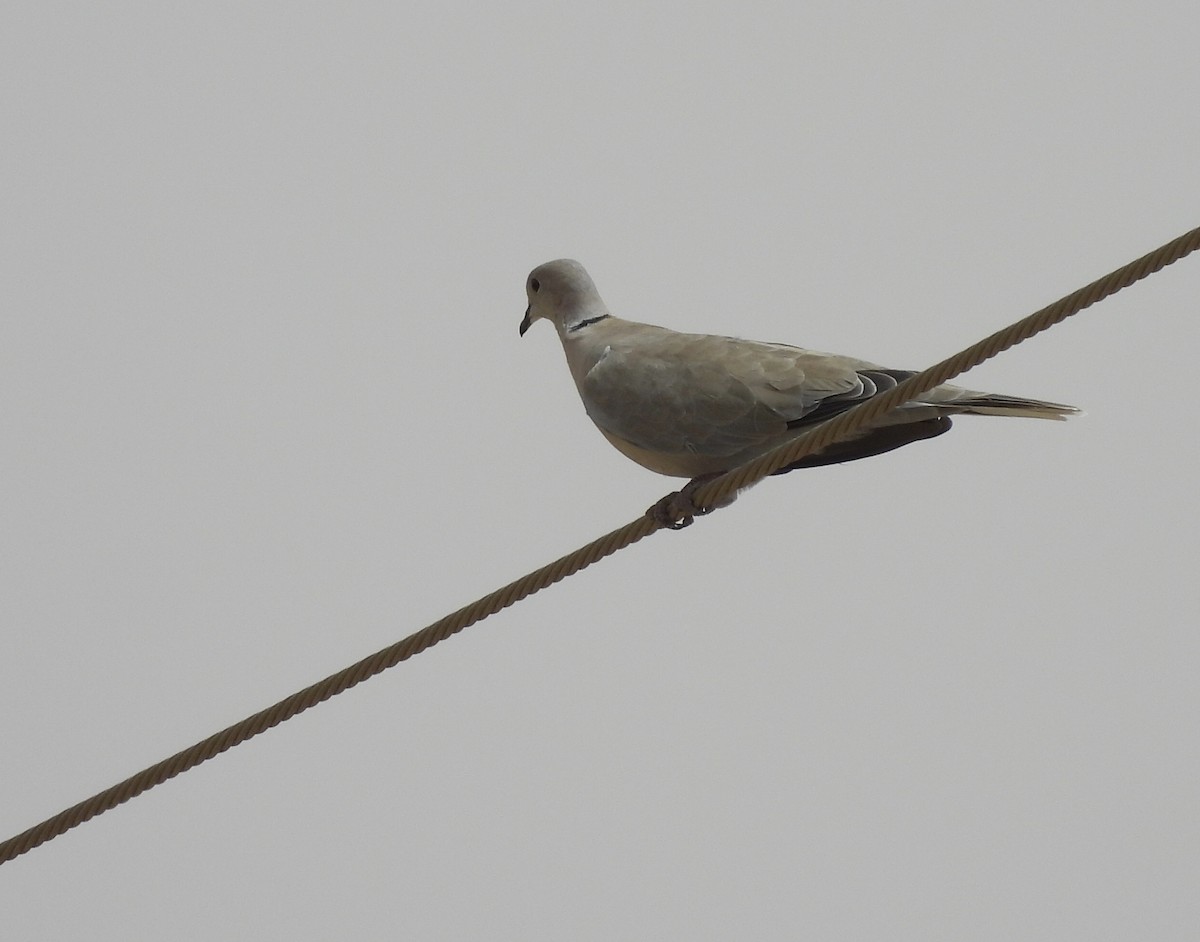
(696, 405)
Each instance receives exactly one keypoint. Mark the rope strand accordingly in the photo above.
(708, 495)
(860, 417)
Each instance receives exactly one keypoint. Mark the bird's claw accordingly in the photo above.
(671, 513)
(678, 510)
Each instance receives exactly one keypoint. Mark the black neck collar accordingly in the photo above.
(586, 322)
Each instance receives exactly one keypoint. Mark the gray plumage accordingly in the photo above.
(695, 404)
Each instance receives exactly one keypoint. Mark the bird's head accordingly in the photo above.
(562, 292)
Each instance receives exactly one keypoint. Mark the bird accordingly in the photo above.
(697, 405)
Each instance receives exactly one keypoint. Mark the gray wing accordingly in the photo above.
(718, 396)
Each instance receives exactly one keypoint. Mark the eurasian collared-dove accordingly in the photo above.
(692, 405)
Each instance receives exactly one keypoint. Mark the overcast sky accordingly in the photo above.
(264, 410)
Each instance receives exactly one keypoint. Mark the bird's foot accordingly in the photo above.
(678, 510)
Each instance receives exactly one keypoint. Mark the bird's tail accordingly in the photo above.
(988, 404)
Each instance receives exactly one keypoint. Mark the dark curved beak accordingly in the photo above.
(525, 323)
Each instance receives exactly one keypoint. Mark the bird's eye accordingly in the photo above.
(534, 284)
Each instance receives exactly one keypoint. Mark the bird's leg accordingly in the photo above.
(676, 511)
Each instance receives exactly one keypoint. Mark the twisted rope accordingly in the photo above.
(708, 495)
(322, 690)
(864, 415)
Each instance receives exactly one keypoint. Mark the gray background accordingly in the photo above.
(264, 410)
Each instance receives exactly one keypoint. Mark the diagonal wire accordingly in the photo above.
(710, 494)
(862, 416)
